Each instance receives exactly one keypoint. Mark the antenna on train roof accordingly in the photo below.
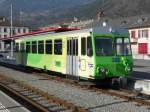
(104, 24)
(110, 29)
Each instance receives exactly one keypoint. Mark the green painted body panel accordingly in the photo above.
(114, 69)
(48, 62)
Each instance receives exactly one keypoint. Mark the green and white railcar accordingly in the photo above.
(95, 53)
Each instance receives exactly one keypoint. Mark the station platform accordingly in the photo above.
(8, 60)
(5, 57)
(139, 80)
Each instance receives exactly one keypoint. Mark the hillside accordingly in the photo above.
(112, 8)
(42, 12)
(35, 6)
(37, 12)
(125, 8)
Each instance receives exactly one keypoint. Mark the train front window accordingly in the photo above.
(104, 46)
(123, 46)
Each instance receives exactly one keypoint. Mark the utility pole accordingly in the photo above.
(11, 32)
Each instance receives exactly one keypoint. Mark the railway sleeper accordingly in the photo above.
(61, 104)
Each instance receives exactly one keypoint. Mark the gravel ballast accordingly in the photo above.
(95, 102)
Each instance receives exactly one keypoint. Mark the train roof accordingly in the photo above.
(95, 30)
(110, 30)
(38, 32)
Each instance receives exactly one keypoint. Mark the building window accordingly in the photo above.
(34, 47)
(18, 30)
(58, 47)
(24, 30)
(41, 47)
(83, 46)
(48, 47)
(132, 34)
(5, 30)
(142, 48)
(143, 33)
(5, 36)
(13, 32)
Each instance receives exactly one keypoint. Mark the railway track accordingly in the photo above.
(35, 99)
(130, 96)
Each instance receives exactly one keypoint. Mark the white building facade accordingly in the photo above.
(5, 32)
(140, 39)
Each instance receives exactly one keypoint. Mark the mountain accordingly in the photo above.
(39, 11)
(125, 8)
(112, 8)
(43, 12)
(39, 5)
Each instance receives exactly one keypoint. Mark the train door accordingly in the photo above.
(85, 57)
(72, 56)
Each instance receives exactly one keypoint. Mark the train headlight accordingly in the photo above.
(128, 69)
(102, 70)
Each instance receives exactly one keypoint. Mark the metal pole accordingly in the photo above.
(11, 33)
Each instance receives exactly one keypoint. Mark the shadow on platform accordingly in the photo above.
(141, 75)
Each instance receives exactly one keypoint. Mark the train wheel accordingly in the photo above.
(115, 83)
(118, 83)
(123, 82)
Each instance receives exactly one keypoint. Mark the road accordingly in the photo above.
(7, 104)
(141, 69)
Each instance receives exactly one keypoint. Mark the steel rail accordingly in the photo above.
(6, 81)
(122, 93)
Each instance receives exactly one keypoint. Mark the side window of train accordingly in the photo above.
(72, 47)
(58, 47)
(68, 47)
(41, 47)
(17, 47)
(48, 47)
(83, 46)
(75, 47)
(28, 47)
(34, 46)
(89, 47)
(22, 47)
